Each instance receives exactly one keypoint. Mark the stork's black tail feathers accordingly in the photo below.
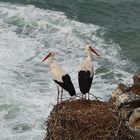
(67, 84)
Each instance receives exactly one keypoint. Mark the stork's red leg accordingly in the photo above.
(58, 95)
(61, 94)
(88, 96)
(85, 96)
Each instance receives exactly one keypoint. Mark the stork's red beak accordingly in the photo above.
(45, 57)
(93, 50)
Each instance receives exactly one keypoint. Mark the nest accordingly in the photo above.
(86, 120)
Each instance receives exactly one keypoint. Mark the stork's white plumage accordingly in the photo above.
(60, 77)
(86, 73)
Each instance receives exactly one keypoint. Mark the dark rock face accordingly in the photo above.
(136, 77)
(86, 120)
(128, 102)
(134, 120)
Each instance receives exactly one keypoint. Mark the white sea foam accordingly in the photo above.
(26, 88)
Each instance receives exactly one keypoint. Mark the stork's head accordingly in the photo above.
(50, 54)
(89, 49)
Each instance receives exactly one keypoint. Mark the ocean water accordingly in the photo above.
(29, 29)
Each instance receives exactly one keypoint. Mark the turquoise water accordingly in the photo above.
(119, 18)
(29, 29)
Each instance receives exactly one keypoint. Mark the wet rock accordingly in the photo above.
(136, 77)
(134, 120)
(135, 89)
(119, 90)
(127, 98)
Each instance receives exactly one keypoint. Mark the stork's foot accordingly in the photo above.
(58, 102)
(72, 98)
(86, 96)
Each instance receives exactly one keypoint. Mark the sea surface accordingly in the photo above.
(30, 28)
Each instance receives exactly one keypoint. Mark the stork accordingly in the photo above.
(60, 77)
(86, 73)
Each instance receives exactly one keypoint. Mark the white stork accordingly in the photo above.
(60, 77)
(86, 73)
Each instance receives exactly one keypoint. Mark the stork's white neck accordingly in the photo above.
(89, 55)
(50, 60)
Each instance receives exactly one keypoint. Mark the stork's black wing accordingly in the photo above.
(67, 84)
